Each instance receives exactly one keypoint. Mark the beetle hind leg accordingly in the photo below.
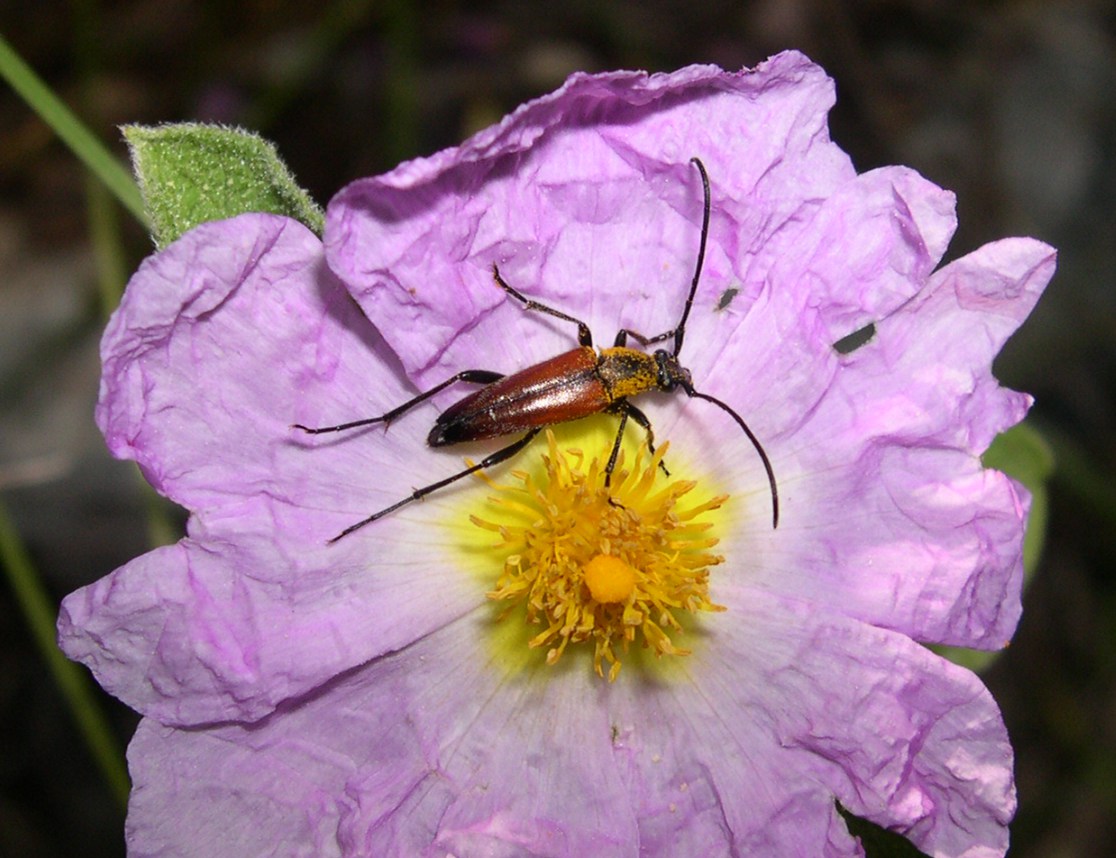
(500, 455)
(472, 376)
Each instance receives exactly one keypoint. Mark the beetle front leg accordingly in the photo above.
(641, 418)
(584, 337)
(617, 407)
(623, 334)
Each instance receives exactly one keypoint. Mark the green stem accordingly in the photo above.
(67, 126)
(70, 679)
(108, 250)
(104, 221)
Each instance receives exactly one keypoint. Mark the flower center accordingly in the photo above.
(602, 565)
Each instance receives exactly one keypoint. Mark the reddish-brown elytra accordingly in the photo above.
(575, 384)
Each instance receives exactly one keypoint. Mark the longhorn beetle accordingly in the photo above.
(575, 384)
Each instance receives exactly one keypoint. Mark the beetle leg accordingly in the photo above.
(618, 408)
(473, 376)
(623, 334)
(641, 418)
(584, 337)
(488, 461)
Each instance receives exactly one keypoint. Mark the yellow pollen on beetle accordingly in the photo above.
(601, 566)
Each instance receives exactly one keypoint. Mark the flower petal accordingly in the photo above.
(898, 734)
(190, 634)
(433, 746)
(888, 511)
(182, 394)
(602, 202)
(836, 265)
(430, 746)
(707, 779)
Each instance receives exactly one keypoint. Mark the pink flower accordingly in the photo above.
(378, 695)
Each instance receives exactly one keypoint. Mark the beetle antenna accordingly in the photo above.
(755, 443)
(680, 331)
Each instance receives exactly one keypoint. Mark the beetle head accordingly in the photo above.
(671, 373)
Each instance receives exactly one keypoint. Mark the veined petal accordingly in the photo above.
(189, 633)
(429, 751)
(836, 265)
(467, 761)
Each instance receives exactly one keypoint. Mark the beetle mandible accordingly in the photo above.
(572, 385)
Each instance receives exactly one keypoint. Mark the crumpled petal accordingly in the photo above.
(432, 746)
(901, 736)
(223, 340)
(599, 214)
(834, 267)
(427, 746)
(586, 190)
(905, 528)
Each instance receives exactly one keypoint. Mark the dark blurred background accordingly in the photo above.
(1009, 104)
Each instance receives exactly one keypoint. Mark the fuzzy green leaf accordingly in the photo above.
(192, 173)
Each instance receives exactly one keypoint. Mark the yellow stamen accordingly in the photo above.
(598, 564)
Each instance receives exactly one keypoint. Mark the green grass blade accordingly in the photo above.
(71, 130)
(70, 679)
